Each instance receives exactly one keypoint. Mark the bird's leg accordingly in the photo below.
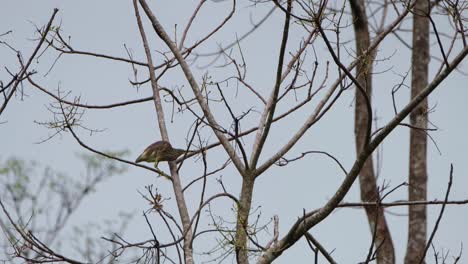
(156, 164)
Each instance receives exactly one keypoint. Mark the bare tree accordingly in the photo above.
(317, 64)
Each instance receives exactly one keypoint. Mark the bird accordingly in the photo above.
(160, 151)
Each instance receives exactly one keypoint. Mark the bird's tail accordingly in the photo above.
(183, 154)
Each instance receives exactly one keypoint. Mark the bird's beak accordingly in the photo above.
(139, 159)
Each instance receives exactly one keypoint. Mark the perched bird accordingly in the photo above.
(159, 151)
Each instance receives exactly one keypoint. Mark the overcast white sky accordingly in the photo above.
(105, 26)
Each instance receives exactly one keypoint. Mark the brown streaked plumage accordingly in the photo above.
(159, 151)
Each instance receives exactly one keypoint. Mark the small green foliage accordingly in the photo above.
(55, 28)
(15, 177)
(4, 170)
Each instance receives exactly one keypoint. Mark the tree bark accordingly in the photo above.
(367, 179)
(243, 211)
(417, 223)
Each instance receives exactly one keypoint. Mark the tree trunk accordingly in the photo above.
(243, 212)
(417, 223)
(367, 180)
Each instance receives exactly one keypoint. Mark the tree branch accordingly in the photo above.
(303, 225)
(194, 85)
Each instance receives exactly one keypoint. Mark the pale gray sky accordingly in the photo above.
(105, 26)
